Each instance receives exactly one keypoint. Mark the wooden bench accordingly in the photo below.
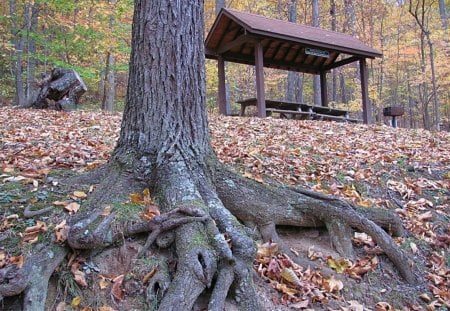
(293, 113)
(287, 109)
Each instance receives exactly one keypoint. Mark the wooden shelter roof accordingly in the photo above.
(286, 45)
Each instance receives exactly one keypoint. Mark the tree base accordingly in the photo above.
(199, 244)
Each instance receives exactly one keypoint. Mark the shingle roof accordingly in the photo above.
(234, 33)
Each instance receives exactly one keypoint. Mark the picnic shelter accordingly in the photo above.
(251, 39)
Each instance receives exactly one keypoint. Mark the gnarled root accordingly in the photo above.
(33, 277)
(299, 207)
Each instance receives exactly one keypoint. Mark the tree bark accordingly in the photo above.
(18, 42)
(316, 78)
(293, 79)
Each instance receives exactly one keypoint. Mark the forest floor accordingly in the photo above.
(407, 171)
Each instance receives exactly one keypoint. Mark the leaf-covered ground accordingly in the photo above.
(404, 170)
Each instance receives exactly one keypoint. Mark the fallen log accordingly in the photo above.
(60, 90)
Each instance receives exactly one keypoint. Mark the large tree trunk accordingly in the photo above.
(164, 146)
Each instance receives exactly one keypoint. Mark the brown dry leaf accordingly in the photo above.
(267, 249)
(286, 289)
(413, 247)
(60, 203)
(3, 259)
(80, 194)
(72, 208)
(17, 260)
(149, 275)
(117, 290)
(61, 231)
(383, 306)
(313, 255)
(136, 198)
(425, 298)
(103, 283)
(332, 285)
(79, 276)
(106, 308)
(31, 234)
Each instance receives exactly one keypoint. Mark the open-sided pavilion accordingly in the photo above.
(246, 38)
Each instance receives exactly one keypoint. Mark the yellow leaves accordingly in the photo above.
(75, 302)
(145, 199)
(339, 265)
(80, 194)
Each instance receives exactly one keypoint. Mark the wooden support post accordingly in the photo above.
(367, 108)
(323, 88)
(224, 105)
(259, 71)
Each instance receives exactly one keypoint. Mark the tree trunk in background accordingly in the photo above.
(334, 72)
(421, 14)
(444, 17)
(18, 42)
(32, 25)
(219, 5)
(293, 79)
(109, 91)
(316, 79)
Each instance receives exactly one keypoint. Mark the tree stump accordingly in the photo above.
(60, 90)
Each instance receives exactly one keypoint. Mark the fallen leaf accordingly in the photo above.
(79, 276)
(383, 306)
(61, 306)
(103, 283)
(17, 260)
(75, 302)
(106, 210)
(332, 285)
(267, 249)
(117, 290)
(413, 247)
(290, 276)
(61, 231)
(72, 208)
(80, 194)
(339, 265)
(149, 275)
(60, 203)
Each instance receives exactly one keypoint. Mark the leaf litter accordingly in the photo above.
(411, 167)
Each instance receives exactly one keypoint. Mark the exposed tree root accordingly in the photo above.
(198, 212)
(28, 213)
(32, 278)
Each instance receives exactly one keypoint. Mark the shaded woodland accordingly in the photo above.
(94, 39)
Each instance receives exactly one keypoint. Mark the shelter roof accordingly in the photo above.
(286, 45)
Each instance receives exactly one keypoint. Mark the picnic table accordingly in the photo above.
(288, 109)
